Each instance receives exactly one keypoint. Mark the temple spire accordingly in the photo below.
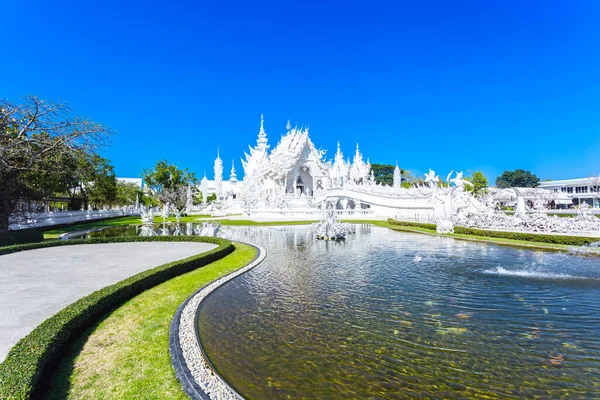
(397, 177)
(233, 177)
(261, 141)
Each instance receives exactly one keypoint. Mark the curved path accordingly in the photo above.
(36, 284)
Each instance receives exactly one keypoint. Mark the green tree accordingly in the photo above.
(93, 182)
(480, 183)
(167, 176)
(127, 193)
(49, 181)
(384, 173)
(211, 198)
(517, 178)
(198, 198)
(169, 184)
(34, 136)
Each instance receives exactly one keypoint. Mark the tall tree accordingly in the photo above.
(169, 184)
(167, 176)
(127, 193)
(517, 178)
(384, 173)
(34, 136)
(479, 181)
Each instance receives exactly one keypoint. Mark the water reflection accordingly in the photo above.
(367, 318)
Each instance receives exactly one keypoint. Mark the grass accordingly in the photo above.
(126, 355)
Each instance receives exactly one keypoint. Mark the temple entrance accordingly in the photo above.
(299, 185)
(300, 182)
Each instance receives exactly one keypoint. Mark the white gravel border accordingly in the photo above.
(209, 381)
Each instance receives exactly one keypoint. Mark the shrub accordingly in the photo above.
(528, 237)
(22, 372)
(524, 236)
(20, 237)
(414, 224)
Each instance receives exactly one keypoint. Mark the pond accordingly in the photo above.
(395, 315)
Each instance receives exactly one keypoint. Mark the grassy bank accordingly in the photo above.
(488, 239)
(126, 355)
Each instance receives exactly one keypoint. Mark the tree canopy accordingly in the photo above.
(169, 184)
(167, 176)
(384, 173)
(517, 178)
(39, 141)
(479, 181)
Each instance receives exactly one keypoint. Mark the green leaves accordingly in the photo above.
(167, 176)
(479, 181)
(517, 178)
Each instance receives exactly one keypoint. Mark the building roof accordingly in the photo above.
(137, 181)
(566, 182)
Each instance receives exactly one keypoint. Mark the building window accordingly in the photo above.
(581, 189)
(569, 190)
(563, 189)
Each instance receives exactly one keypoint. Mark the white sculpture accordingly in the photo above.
(147, 215)
(204, 188)
(330, 228)
(166, 211)
(189, 203)
(397, 177)
(218, 175)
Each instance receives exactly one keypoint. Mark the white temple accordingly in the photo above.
(294, 178)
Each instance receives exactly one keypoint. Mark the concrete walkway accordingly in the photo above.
(36, 284)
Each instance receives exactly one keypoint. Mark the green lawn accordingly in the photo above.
(126, 355)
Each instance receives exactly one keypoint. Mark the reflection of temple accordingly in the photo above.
(295, 176)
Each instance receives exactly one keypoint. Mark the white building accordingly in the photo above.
(295, 178)
(577, 191)
(137, 181)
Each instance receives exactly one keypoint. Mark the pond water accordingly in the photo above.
(396, 315)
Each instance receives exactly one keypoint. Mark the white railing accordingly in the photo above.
(312, 213)
(65, 217)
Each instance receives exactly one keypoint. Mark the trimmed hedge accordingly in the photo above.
(20, 237)
(27, 363)
(413, 224)
(525, 236)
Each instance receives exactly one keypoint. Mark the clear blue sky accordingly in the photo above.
(446, 85)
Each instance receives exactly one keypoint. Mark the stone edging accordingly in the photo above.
(195, 373)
